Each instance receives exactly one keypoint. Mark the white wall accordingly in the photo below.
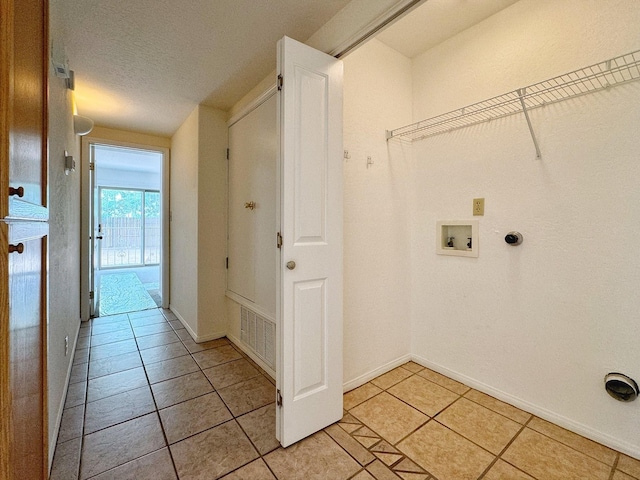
(184, 221)
(198, 226)
(377, 264)
(64, 241)
(212, 222)
(540, 324)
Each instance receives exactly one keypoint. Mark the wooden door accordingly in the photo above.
(23, 238)
(27, 374)
(309, 370)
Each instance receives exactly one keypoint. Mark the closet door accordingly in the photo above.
(309, 309)
(242, 234)
(252, 231)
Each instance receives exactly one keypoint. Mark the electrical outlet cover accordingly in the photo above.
(478, 206)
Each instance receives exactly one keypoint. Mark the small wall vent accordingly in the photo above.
(259, 334)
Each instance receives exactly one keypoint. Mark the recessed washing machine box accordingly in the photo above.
(457, 237)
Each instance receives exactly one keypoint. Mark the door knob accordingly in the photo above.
(16, 191)
(250, 205)
(291, 264)
(19, 248)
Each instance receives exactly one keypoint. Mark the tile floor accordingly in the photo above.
(146, 402)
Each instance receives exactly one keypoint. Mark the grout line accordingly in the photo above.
(86, 397)
(494, 411)
(615, 465)
(570, 446)
(363, 469)
(157, 411)
(506, 447)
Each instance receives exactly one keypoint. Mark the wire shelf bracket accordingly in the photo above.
(600, 76)
(521, 94)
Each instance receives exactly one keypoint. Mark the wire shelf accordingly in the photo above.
(616, 71)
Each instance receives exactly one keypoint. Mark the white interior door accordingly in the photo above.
(253, 154)
(309, 301)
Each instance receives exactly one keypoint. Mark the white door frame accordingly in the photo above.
(85, 220)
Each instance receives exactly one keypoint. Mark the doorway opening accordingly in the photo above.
(126, 247)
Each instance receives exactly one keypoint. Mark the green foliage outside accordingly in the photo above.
(128, 204)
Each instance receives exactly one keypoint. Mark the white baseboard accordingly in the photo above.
(238, 343)
(56, 427)
(362, 379)
(541, 412)
(196, 338)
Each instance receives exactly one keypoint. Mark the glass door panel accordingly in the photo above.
(152, 228)
(121, 226)
(130, 226)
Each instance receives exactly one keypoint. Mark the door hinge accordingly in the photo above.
(279, 398)
(280, 82)
(227, 154)
(91, 295)
(279, 241)
(92, 166)
(227, 263)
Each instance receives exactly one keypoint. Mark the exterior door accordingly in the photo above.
(23, 239)
(309, 301)
(95, 240)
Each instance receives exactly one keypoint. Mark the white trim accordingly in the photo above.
(397, 11)
(364, 378)
(239, 299)
(255, 103)
(196, 338)
(246, 349)
(541, 412)
(56, 428)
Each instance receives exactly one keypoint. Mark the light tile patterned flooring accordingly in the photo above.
(147, 402)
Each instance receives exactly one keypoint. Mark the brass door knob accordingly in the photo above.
(291, 264)
(250, 205)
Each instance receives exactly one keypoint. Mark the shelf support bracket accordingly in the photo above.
(521, 94)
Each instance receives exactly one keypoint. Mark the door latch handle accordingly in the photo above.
(16, 191)
(99, 238)
(19, 248)
(250, 205)
(291, 264)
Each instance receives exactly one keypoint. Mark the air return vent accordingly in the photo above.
(259, 334)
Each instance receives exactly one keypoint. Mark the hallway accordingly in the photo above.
(147, 402)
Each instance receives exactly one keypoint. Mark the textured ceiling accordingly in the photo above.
(435, 21)
(144, 65)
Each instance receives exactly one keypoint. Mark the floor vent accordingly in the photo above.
(259, 334)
